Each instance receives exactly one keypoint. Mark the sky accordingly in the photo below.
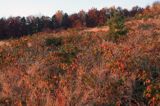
(49, 7)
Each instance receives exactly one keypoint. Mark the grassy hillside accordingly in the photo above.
(83, 68)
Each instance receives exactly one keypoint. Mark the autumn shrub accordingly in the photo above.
(146, 87)
(117, 27)
(68, 52)
(151, 92)
(53, 41)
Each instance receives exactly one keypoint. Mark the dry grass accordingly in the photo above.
(95, 30)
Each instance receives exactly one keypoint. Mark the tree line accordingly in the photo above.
(15, 27)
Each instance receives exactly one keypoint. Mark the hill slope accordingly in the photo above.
(83, 68)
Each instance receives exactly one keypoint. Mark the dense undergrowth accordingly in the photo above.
(76, 68)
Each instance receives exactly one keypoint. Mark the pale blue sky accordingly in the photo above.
(49, 7)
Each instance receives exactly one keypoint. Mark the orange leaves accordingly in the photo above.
(148, 95)
(60, 101)
(104, 46)
(152, 90)
(121, 66)
(72, 68)
(64, 66)
(149, 87)
(148, 81)
(152, 93)
(117, 66)
(127, 49)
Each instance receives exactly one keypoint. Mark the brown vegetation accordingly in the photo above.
(84, 68)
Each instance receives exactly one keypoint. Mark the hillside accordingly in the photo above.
(83, 68)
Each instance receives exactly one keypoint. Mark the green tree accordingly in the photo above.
(117, 26)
